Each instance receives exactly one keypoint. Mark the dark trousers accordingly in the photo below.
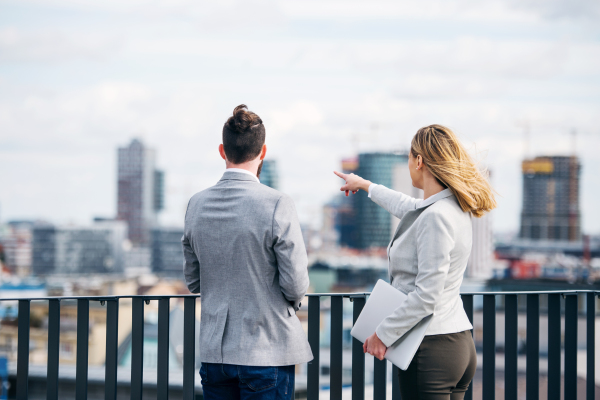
(442, 368)
(243, 382)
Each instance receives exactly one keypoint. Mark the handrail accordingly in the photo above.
(104, 298)
(345, 295)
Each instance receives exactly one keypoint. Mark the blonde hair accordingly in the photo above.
(453, 167)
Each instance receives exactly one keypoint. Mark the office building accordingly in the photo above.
(481, 260)
(15, 239)
(43, 249)
(373, 223)
(345, 218)
(81, 250)
(140, 190)
(269, 174)
(550, 208)
(167, 251)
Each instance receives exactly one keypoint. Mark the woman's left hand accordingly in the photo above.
(374, 346)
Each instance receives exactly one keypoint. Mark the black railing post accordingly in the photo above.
(554, 346)
(336, 346)
(83, 336)
(137, 347)
(532, 371)
(591, 347)
(510, 346)
(53, 349)
(511, 341)
(162, 367)
(189, 348)
(112, 344)
(489, 347)
(314, 328)
(379, 379)
(358, 356)
(395, 383)
(571, 346)
(23, 349)
(467, 300)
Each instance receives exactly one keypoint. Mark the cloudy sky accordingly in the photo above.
(80, 78)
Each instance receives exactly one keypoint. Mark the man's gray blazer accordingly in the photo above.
(245, 254)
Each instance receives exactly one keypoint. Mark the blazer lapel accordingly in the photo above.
(406, 222)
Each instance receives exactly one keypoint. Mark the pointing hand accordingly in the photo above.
(353, 183)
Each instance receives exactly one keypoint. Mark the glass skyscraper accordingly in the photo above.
(373, 223)
(269, 175)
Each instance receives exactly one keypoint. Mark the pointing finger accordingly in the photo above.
(340, 174)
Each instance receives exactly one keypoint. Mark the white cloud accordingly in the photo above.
(560, 9)
(53, 45)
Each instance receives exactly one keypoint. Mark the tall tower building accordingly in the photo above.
(373, 223)
(481, 260)
(269, 175)
(551, 199)
(345, 219)
(140, 190)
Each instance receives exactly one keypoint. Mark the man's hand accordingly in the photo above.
(374, 346)
(353, 183)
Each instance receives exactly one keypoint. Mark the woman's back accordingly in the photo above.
(427, 259)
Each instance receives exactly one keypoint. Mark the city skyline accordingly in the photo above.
(156, 197)
(78, 80)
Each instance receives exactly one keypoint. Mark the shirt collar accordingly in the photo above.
(243, 171)
(432, 199)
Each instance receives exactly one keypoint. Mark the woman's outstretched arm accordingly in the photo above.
(395, 203)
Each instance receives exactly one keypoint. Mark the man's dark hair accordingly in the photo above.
(243, 135)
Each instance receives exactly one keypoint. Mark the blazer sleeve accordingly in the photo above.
(288, 244)
(191, 265)
(435, 240)
(396, 203)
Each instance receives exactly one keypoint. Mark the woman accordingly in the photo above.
(427, 259)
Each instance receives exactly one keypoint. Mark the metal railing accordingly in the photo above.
(489, 346)
(509, 299)
(111, 361)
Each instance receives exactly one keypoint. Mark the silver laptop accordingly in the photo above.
(381, 303)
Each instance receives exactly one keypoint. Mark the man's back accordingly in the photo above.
(245, 255)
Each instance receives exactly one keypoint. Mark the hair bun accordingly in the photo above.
(243, 119)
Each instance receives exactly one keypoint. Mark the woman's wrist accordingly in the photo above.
(364, 185)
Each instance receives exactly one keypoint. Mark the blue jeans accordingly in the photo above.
(243, 382)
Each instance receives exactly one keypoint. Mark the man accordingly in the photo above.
(245, 254)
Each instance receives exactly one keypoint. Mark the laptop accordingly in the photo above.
(382, 302)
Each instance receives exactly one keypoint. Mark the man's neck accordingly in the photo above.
(250, 166)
